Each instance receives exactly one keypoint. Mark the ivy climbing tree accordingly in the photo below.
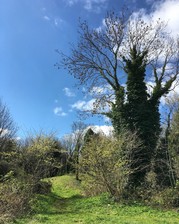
(124, 57)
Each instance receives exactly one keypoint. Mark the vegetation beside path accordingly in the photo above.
(66, 204)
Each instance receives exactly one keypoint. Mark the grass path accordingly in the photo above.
(67, 205)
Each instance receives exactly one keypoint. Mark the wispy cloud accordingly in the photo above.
(44, 9)
(59, 112)
(53, 19)
(46, 18)
(68, 92)
(89, 5)
(83, 105)
(58, 21)
(71, 2)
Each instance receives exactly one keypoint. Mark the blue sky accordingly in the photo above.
(39, 96)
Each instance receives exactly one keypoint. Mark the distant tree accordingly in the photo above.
(8, 128)
(7, 140)
(78, 129)
(165, 160)
(142, 51)
(73, 143)
(174, 140)
(68, 143)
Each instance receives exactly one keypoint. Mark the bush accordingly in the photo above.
(105, 164)
(42, 187)
(43, 156)
(168, 197)
(15, 199)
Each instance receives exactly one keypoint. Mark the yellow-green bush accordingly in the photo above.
(15, 198)
(105, 163)
(168, 197)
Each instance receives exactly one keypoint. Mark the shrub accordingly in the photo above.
(15, 199)
(168, 197)
(43, 156)
(18, 194)
(105, 164)
(42, 187)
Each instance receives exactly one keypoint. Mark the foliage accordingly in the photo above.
(43, 156)
(174, 141)
(168, 197)
(107, 164)
(163, 164)
(16, 197)
(22, 170)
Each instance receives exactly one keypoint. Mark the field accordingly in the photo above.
(67, 205)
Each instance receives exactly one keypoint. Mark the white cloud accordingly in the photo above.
(174, 91)
(59, 112)
(84, 105)
(168, 10)
(71, 2)
(105, 129)
(89, 5)
(18, 138)
(98, 129)
(46, 18)
(93, 106)
(4, 132)
(100, 90)
(58, 21)
(68, 92)
(107, 119)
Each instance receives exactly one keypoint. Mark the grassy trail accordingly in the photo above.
(67, 205)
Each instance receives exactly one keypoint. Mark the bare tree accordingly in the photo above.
(78, 129)
(73, 144)
(7, 127)
(97, 60)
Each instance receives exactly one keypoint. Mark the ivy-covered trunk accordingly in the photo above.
(117, 114)
(142, 115)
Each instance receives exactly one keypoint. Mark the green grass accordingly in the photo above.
(67, 205)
